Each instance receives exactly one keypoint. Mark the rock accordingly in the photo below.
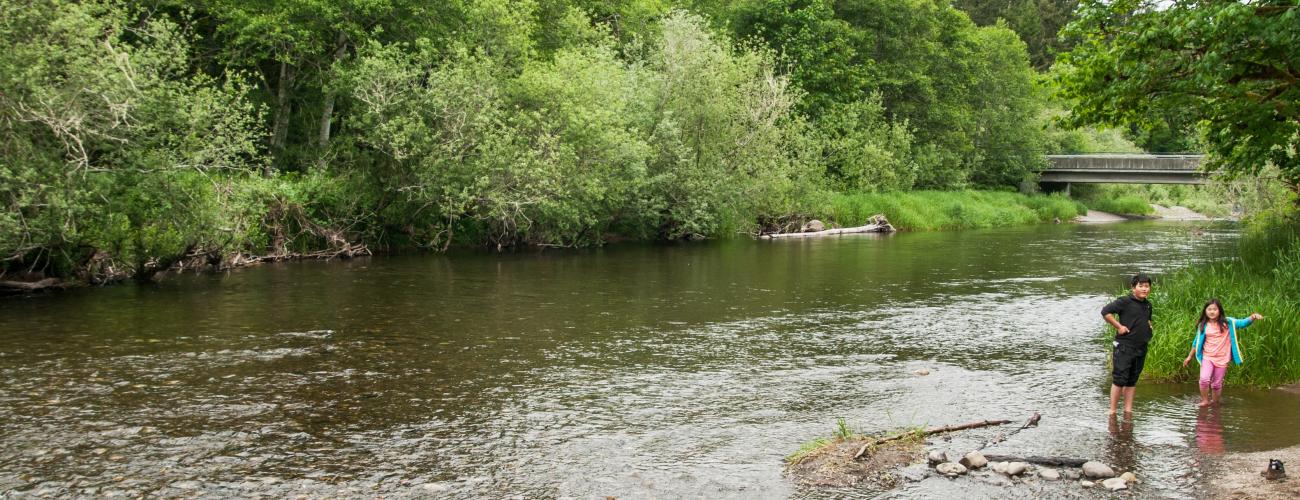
(922, 372)
(1071, 474)
(1086, 483)
(814, 226)
(436, 487)
(974, 460)
(1000, 467)
(1016, 468)
(1129, 477)
(1115, 484)
(913, 473)
(1097, 470)
(950, 469)
(937, 457)
(1049, 474)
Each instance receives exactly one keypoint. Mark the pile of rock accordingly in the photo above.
(1088, 475)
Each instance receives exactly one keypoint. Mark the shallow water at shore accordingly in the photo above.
(632, 371)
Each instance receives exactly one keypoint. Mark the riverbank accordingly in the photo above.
(1237, 475)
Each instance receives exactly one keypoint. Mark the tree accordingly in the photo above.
(1231, 67)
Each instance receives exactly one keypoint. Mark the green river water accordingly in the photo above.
(633, 371)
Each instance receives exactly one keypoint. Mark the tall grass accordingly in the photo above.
(1264, 277)
(935, 210)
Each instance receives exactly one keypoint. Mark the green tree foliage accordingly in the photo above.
(683, 142)
(1231, 67)
(1037, 22)
(112, 152)
(966, 93)
(138, 134)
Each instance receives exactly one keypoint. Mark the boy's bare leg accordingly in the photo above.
(1218, 395)
(1114, 397)
(1128, 400)
(1205, 396)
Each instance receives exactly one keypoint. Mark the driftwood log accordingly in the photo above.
(878, 224)
(1054, 461)
(927, 432)
(31, 286)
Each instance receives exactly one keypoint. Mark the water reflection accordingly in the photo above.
(1121, 448)
(1209, 430)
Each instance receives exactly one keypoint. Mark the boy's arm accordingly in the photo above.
(1119, 329)
(1108, 313)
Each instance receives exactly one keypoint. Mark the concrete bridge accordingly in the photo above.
(1156, 168)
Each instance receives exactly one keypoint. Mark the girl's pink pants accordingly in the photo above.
(1212, 376)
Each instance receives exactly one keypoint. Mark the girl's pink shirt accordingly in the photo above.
(1218, 348)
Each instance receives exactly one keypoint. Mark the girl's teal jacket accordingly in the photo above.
(1233, 325)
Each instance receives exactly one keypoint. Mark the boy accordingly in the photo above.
(1132, 333)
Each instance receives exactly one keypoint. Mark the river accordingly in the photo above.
(633, 371)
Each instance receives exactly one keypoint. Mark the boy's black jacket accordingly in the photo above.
(1136, 315)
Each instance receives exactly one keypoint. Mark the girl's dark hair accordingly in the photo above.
(1223, 315)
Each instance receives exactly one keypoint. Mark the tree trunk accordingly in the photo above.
(280, 129)
(327, 110)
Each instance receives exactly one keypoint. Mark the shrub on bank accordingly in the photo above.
(934, 210)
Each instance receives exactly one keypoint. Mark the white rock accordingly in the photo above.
(1049, 474)
(1129, 477)
(1070, 474)
(937, 457)
(1086, 483)
(951, 469)
(1097, 470)
(1115, 484)
(1016, 468)
(1000, 467)
(974, 460)
(922, 372)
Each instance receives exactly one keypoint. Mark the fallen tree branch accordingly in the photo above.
(878, 224)
(1055, 461)
(31, 286)
(1032, 422)
(927, 432)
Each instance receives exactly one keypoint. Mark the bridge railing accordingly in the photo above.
(1126, 162)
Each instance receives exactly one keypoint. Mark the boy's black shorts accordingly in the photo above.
(1127, 361)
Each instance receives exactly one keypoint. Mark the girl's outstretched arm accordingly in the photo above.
(1245, 322)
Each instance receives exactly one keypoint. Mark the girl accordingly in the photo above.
(1215, 346)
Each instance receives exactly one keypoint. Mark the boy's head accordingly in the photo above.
(1141, 284)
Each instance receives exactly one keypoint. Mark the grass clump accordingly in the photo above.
(939, 210)
(830, 461)
(1263, 277)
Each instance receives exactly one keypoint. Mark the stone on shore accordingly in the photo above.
(974, 460)
(1115, 484)
(937, 457)
(1049, 474)
(1097, 470)
(813, 226)
(1071, 474)
(1016, 468)
(951, 469)
(1086, 483)
(1129, 477)
(1000, 467)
